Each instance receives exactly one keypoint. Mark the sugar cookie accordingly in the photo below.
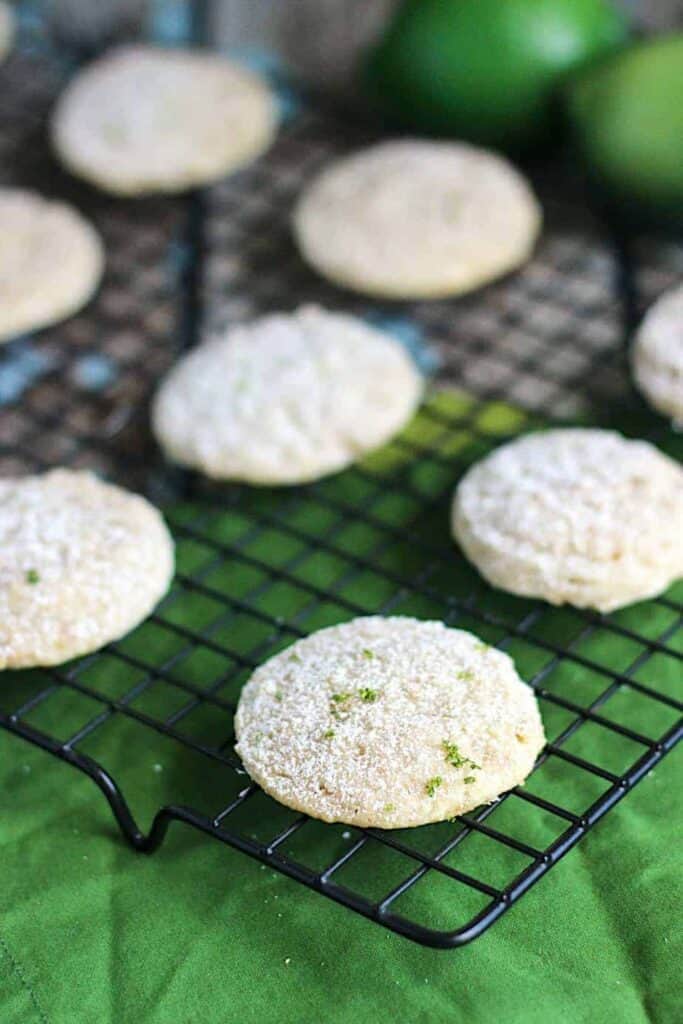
(286, 399)
(582, 517)
(143, 119)
(416, 219)
(51, 262)
(81, 563)
(657, 356)
(387, 723)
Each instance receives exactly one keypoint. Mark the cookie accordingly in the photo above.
(580, 517)
(51, 262)
(417, 220)
(81, 563)
(286, 399)
(6, 29)
(142, 120)
(387, 723)
(657, 356)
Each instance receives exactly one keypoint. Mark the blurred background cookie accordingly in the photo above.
(51, 261)
(143, 119)
(416, 219)
(581, 517)
(288, 398)
(657, 356)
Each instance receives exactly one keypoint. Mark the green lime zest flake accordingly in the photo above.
(258, 736)
(453, 755)
(466, 675)
(469, 779)
(367, 653)
(32, 576)
(389, 808)
(328, 734)
(295, 657)
(482, 648)
(432, 785)
(455, 758)
(368, 695)
(278, 695)
(340, 703)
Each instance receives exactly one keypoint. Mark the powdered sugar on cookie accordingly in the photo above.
(143, 119)
(387, 723)
(657, 356)
(81, 563)
(288, 398)
(417, 219)
(51, 261)
(584, 517)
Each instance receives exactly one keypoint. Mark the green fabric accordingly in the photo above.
(93, 932)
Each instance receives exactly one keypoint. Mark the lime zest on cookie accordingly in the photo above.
(432, 785)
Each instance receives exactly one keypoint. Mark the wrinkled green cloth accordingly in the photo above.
(91, 931)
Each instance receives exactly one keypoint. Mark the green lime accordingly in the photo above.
(486, 70)
(627, 115)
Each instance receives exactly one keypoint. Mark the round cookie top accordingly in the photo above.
(387, 723)
(6, 29)
(584, 517)
(51, 262)
(417, 219)
(143, 119)
(81, 563)
(286, 399)
(657, 355)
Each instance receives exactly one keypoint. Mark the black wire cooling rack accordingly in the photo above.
(258, 569)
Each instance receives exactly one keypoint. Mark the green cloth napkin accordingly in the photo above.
(92, 932)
